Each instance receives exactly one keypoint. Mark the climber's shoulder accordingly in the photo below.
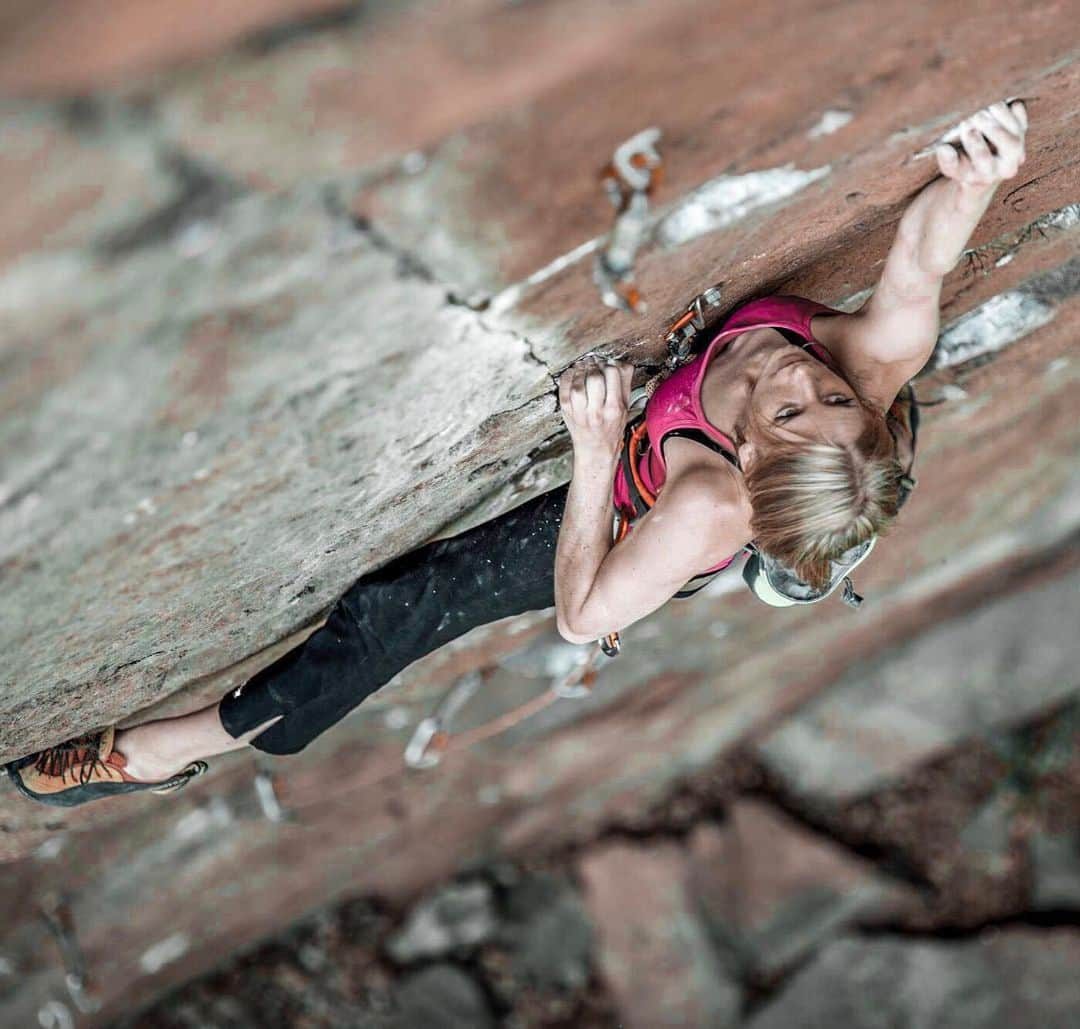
(704, 489)
(886, 342)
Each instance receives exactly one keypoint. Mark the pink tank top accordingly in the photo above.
(676, 404)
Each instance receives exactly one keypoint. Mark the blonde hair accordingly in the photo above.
(813, 501)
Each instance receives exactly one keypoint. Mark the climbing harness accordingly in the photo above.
(629, 179)
(680, 340)
(434, 737)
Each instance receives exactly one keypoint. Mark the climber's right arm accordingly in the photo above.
(892, 336)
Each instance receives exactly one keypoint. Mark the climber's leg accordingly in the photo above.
(385, 621)
(394, 616)
(156, 750)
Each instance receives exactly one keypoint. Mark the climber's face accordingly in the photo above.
(797, 399)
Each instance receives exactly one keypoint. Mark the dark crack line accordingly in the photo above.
(524, 340)
(134, 661)
(983, 259)
(889, 861)
(407, 264)
(202, 193)
(1051, 918)
(520, 407)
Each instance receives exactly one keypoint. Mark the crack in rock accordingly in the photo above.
(409, 266)
(202, 192)
(524, 340)
(1003, 249)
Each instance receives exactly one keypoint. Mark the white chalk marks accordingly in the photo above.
(728, 198)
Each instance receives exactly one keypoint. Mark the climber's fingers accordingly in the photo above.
(571, 390)
(614, 397)
(992, 142)
(976, 149)
(626, 380)
(594, 402)
(1009, 145)
(595, 385)
(581, 387)
(1009, 116)
(1020, 109)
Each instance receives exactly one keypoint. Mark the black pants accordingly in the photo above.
(397, 614)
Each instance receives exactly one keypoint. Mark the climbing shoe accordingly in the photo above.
(85, 768)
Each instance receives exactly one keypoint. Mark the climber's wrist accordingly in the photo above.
(596, 457)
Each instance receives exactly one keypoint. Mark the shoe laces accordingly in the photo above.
(79, 756)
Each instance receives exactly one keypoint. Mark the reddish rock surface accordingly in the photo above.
(773, 891)
(200, 344)
(653, 950)
(53, 47)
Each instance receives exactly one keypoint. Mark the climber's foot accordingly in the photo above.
(86, 768)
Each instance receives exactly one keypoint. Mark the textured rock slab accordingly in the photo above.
(773, 891)
(145, 876)
(998, 981)
(653, 951)
(1001, 665)
(243, 386)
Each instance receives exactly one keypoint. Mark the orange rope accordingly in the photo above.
(635, 441)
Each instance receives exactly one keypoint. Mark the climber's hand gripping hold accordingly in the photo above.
(891, 337)
(991, 146)
(594, 395)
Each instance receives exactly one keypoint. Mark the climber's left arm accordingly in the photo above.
(593, 397)
(892, 336)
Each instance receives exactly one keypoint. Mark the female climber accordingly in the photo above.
(756, 439)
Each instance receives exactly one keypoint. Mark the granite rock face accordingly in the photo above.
(269, 320)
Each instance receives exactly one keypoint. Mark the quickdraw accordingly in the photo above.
(434, 737)
(629, 179)
(681, 337)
